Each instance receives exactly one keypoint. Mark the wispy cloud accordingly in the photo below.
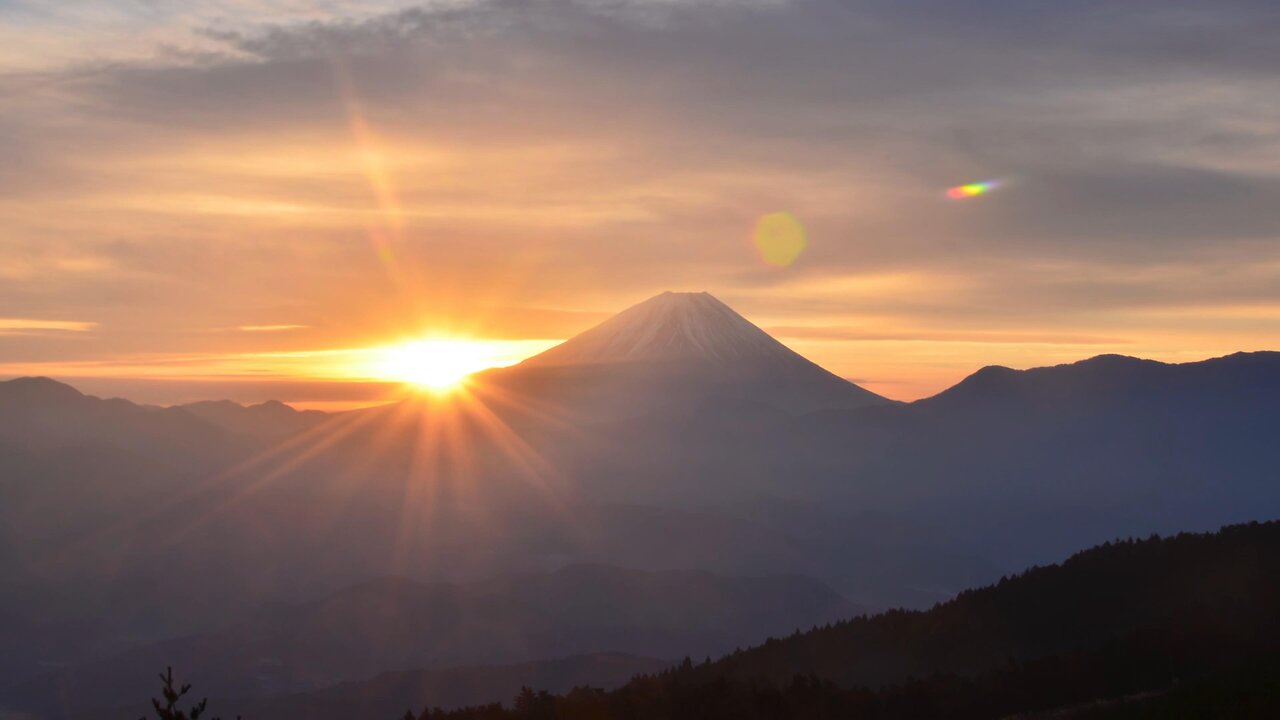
(270, 328)
(930, 336)
(27, 326)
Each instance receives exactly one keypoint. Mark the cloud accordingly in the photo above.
(270, 328)
(1011, 338)
(27, 326)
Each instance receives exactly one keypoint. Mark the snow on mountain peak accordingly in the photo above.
(670, 327)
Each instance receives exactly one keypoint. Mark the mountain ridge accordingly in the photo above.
(1103, 373)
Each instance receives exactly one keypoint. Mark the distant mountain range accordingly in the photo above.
(1064, 456)
(674, 437)
(42, 414)
(271, 420)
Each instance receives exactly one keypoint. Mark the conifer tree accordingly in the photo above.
(172, 694)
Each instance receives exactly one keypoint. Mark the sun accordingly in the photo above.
(437, 364)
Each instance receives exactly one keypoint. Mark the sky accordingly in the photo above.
(247, 198)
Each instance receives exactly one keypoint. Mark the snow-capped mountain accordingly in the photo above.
(679, 350)
(670, 327)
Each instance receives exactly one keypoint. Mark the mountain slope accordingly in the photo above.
(1095, 595)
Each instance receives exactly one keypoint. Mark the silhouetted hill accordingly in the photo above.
(77, 475)
(1128, 629)
(1232, 576)
(31, 392)
(1111, 380)
(41, 414)
(395, 624)
(1017, 466)
(271, 420)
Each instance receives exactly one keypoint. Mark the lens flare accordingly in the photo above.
(972, 190)
(780, 238)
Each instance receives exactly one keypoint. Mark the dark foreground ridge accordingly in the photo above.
(1174, 627)
(1179, 627)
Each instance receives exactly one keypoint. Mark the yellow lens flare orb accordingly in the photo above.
(780, 238)
(438, 365)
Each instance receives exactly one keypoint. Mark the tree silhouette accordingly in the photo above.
(525, 701)
(172, 694)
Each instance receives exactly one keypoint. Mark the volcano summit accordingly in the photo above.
(677, 349)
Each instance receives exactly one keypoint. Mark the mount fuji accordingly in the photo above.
(677, 351)
(673, 327)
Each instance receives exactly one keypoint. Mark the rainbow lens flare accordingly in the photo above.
(972, 190)
(780, 238)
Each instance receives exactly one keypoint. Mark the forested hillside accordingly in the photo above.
(1121, 630)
